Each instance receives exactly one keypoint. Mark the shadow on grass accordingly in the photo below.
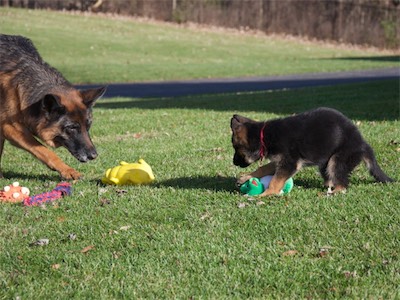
(307, 183)
(386, 58)
(372, 101)
(217, 184)
(25, 176)
(224, 184)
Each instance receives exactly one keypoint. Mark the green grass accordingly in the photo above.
(184, 236)
(94, 49)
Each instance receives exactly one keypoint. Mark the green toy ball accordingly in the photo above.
(255, 186)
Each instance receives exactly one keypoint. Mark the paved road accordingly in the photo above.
(236, 85)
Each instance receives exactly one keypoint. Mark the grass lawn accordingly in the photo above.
(185, 236)
(94, 49)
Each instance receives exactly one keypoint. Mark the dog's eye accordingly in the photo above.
(72, 128)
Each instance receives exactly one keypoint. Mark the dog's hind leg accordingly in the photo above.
(340, 165)
(323, 169)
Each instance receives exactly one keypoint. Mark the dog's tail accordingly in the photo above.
(373, 167)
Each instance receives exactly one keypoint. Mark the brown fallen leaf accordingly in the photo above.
(104, 202)
(87, 249)
(323, 252)
(290, 253)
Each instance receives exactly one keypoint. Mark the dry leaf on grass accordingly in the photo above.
(323, 252)
(125, 227)
(290, 253)
(104, 202)
(349, 274)
(87, 249)
(61, 219)
(242, 205)
(207, 215)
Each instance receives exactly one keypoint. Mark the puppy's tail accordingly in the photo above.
(373, 167)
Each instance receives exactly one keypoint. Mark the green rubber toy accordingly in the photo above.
(255, 186)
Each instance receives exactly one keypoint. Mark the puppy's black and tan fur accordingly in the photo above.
(323, 137)
(37, 102)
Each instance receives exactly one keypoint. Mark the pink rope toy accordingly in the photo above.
(62, 189)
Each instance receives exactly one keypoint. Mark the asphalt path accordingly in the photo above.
(246, 84)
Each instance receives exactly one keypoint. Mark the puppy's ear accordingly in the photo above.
(238, 121)
(90, 96)
(235, 123)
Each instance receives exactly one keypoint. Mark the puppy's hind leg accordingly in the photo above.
(340, 166)
(323, 170)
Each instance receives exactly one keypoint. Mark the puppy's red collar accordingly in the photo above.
(263, 147)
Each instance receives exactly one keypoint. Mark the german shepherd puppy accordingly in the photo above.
(37, 102)
(323, 137)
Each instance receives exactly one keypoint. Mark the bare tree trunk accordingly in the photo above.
(260, 15)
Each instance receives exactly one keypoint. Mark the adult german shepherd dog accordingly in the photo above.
(37, 102)
(323, 137)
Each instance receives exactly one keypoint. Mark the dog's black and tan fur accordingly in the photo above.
(37, 102)
(323, 137)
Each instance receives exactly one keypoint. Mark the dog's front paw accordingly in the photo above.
(242, 179)
(70, 174)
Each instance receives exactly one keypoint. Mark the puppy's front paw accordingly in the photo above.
(70, 174)
(242, 179)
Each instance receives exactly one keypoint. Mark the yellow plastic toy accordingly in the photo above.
(129, 173)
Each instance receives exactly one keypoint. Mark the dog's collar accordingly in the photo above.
(263, 147)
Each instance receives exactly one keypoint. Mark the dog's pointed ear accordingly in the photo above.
(51, 105)
(91, 95)
(237, 122)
